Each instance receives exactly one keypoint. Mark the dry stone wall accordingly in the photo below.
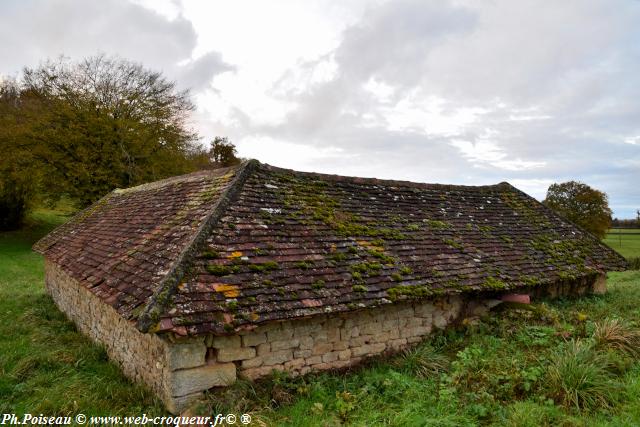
(142, 357)
(332, 341)
(179, 370)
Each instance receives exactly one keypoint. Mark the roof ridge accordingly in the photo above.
(168, 285)
(173, 179)
(363, 180)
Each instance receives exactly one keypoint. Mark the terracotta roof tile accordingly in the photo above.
(269, 244)
(124, 245)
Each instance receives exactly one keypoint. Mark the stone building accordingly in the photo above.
(192, 281)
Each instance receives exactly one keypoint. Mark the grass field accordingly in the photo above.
(626, 241)
(519, 368)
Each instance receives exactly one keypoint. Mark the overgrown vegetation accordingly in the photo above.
(567, 362)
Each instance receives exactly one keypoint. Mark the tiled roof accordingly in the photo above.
(284, 244)
(125, 245)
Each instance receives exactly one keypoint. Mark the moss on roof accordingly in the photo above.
(285, 244)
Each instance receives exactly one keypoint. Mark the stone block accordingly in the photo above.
(283, 345)
(413, 321)
(240, 353)
(371, 329)
(232, 341)
(304, 370)
(322, 348)
(194, 380)
(599, 287)
(307, 329)
(252, 363)
(340, 345)
(333, 334)
(313, 360)
(177, 405)
(330, 357)
(424, 310)
(263, 371)
(302, 353)
(397, 343)
(361, 340)
(305, 342)
(277, 357)
(416, 331)
(344, 354)
(439, 320)
(381, 337)
(368, 349)
(280, 334)
(253, 339)
(390, 324)
(186, 355)
(263, 349)
(294, 363)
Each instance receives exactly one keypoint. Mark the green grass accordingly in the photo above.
(625, 241)
(518, 368)
(46, 366)
(563, 363)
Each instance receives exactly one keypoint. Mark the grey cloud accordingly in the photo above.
(198, 73)
(34, 30)
(574, 64)
(393, 43)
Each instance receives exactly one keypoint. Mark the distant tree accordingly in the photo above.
(103, 123)
(223, 152)
(581, 204)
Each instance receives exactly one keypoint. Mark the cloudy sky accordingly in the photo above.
(460, 91)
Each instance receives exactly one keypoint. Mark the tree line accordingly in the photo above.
(80, 129)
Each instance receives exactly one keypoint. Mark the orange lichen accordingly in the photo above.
(229, 291)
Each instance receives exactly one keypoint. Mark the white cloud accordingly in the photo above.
(396, 89)
(487, 153)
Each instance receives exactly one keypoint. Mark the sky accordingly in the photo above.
(446, 91)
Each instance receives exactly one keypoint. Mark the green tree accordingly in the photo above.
(18, 176)
(223, 152)
(103, 123)
(582, 205)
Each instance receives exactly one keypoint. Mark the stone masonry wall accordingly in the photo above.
(142, 357)
(333, 341)
(178, 370)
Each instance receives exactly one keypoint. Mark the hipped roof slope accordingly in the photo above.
(218, 251)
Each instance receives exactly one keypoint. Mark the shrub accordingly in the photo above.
(423, 361)
(579, 378)
(617, 335)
